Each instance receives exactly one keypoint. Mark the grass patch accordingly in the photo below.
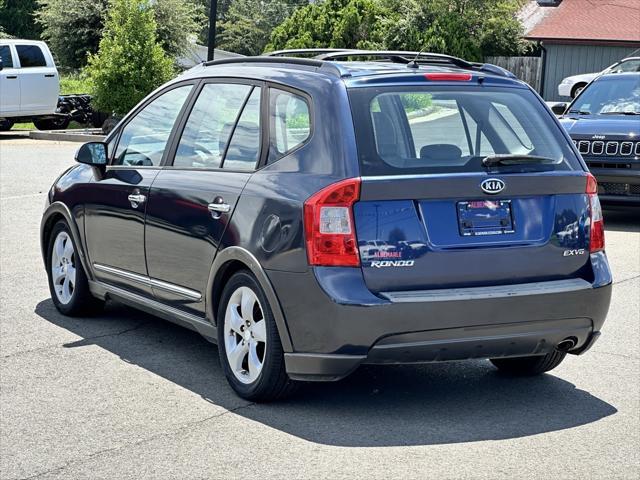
(74, 83)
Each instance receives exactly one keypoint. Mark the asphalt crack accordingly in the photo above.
(626, 280)
(77, 343)
(151, 438)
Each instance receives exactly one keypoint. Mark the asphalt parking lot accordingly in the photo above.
(125, 395)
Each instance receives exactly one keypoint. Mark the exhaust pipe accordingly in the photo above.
(567, 344)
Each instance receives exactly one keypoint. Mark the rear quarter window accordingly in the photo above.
(403, 130)
(30, 56)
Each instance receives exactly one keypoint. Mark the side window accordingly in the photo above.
(244, 147)
(144, 138)
(30, 56)
(211, 121)
(290, 122)
(5, 55)
(629, 66)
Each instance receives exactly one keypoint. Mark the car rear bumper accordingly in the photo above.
(336, 324)
(564, 89)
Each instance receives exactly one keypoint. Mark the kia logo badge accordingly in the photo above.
(492, 186)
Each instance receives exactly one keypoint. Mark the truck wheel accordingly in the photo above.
(52, 123)
(5, 124)
(248, 342)
(529, 366)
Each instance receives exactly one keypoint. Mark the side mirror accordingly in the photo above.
(93, 153)
(559, 108)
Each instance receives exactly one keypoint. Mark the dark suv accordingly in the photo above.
(604, 123)
(310, 215)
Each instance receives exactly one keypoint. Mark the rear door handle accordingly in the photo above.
(49, 75)
(136, 199)
(11, 77)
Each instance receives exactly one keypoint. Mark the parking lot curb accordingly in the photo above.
(82, 136)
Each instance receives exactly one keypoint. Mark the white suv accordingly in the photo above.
(29, 84)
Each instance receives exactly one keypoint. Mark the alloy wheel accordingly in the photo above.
(245, 335)
(63, 267)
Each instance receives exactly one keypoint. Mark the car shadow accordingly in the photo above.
(622, 219)
(376, 406)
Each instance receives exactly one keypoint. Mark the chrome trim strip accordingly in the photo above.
(477, 293)
(150, 282)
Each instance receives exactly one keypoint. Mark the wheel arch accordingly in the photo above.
(229, 261)
(53, 214)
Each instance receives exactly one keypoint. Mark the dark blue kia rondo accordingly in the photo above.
(310, 215)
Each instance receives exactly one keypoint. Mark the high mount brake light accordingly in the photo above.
(596, 238)
(329, 226)
(448, 77)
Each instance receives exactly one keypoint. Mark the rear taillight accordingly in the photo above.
(329, 227)
(596, 239)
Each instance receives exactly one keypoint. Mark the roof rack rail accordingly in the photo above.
(328, 67)
(399, 56)
(324, 59)
(495, 69)
(293, 52)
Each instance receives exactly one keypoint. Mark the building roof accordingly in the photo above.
(590, 21)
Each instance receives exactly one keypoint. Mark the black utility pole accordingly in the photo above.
(213, 13)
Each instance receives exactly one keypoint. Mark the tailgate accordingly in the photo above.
(443, 231)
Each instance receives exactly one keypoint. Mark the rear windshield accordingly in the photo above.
(414, 130)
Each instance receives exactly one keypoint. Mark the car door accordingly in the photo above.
(39, 82)
(9, 83)
(192, 199)
(116, 202)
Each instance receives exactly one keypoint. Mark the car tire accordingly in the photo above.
(68, 282)
(60, 123)
(575, 91)
(529, 366)
(249, 345)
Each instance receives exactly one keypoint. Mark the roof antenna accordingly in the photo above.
(414, 63)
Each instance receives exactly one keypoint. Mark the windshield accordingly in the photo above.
(617, 94)
(408, 130)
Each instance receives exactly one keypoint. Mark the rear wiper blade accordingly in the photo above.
(515, 159)
(620, 113)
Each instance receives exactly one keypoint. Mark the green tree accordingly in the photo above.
(17, 19)
(130, 62)
(177, 21)
(333, 23)
(249, 23)
(82, 17)
(466, 28)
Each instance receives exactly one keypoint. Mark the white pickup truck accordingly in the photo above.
(30, 89)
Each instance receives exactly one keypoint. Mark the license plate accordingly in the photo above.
(485, 217)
